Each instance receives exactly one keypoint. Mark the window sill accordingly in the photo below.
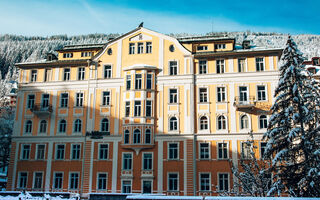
(207, 102)
(105, 106)
(173, 104)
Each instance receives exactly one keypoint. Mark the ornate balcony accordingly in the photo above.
(42, 110)
(244, 103)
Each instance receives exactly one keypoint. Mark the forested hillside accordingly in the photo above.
(14, 49)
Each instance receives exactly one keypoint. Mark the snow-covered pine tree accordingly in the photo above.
(293, 130)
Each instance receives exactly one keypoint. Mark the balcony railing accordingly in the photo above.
(244, 102)
(97, 134)
(42, 110)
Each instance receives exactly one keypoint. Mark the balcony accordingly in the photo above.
(42, 110)
(244, 104)
(97, 134)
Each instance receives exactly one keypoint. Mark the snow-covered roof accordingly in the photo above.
(81, 47)
(203, 38)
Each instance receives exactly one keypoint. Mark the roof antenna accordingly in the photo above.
(140, 25)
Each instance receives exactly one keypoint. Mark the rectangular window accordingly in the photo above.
(37, 180)
(204, 182)
(220, 66)
(128, 82)
(81, 73)
(57, 180)
(64, 100)
(140, 48)
(131, 48)
(137, 108)
(172, 182)
(23, 177)
(75, 151)
(147, 161)
(263, 147)
(66, 74)
(202, 48)
(103, 151)
(102, 181)
(30, 103)
(243, 94)
(47, 75)
(79, 99)
(126, 186)
(107, 71)
(74, 181)
(148, 47)
(245, 150)
(45, 101)
(204, 151)
(41, 151)
(220, 46)
(138, 82)
(221, 94)
(127, 161)
(149, 81)
(25, 152)
(33, 75)
(173, 95)
(222, 150)
(173, 68)
(60, 152)
(86, 54)
(146, 187)
(203, 95)
(262, 93)
(106, 98)
(173, 151)
(259, 64)
(67, 55)
(127, 108)
(241, 64)
(224, 182)
(148, 108)
(202, 66)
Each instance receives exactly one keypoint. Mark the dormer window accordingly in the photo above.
(86, 54)
(67, 55)
(202, 48)
(220, 46)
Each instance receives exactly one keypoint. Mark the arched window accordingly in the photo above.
(136, 136)
(77, 126)
(62, 126)
(126, 136)
(221, 122)
(28, 127)
(105, 125)
(203, 123)
(244, 122)
(173, 122)
(43, 126)
(147, 139)
(263, 122)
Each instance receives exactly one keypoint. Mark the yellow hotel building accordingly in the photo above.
(143, 113)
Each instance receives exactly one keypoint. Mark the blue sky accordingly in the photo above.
(75, 17)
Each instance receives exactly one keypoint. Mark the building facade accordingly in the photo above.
(143, 113)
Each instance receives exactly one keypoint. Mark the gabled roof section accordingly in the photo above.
(129, 34)
(81, 47)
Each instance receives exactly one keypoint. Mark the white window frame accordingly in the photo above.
(152, 159)
(178, 147)
(202, 47)
(224, 93)
(209, 150)
(200, 173)
(245, 67)
(128, 80)
(265, 91)
(218, 180)
(99, 149)
(22, 152)
(140, 48)
(203, 66)
(168, 179)
(244, 156)
(59, 124)
(259, 118)
(142, 181)
(123, 185)
(122, 163)
(150, 108)
(71, 151)
(46, 127)
(132, 48)
(69, 182)
(205, 98)
(240, 122)
(74, 130)
(44, 152)
(19, 179)
(34, 179)
(81, 74)
(247, 93)
(137, 109)
(79, 100)
(54, 178)
(226, 123)
(177, 95)
(169, 125)
(148, 47)
(107, 98)
(28, 100)
(169, 68)
(25, 127)
(107, 74)
(66, 75)
(208, 124)
(223, 151)
(126, 107)
(56, 152)
(263, 62)
(64, 102)
(260, 149)
(221, 66)
(147, 79)
(145, 136)
(138, 81)
(97, 184)
(108, 127)
(134, 135)
(33, 76)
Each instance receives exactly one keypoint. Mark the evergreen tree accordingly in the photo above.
(293, 130)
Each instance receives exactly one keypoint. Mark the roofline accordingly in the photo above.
(56, 63)
(79, 49)
(224, 53)
(195, 40)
